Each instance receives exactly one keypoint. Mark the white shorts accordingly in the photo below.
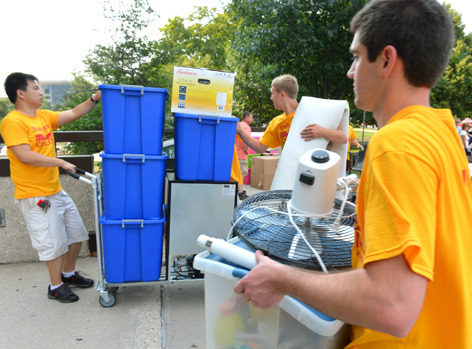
(53, 231)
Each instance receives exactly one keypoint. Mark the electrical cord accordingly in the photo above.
(344, 183)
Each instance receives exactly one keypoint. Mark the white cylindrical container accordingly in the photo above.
(316, 182)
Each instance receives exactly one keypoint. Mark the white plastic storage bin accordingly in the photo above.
(232, 323)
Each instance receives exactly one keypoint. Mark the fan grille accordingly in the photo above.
(264, 224)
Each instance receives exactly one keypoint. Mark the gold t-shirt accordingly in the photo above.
(276, 133)
(18, 128)
(415, 199)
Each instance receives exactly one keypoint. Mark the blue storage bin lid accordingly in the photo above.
(212, 117)
(133, 88)
(133, 222)
(134, 156)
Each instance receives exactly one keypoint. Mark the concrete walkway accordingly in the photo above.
(164, 315)
(167, 315)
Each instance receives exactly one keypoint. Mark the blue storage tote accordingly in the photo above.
(133, 185)
(204, 147)
(133, 119)
(132, 249)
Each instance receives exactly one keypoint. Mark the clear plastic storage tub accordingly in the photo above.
(232, 323)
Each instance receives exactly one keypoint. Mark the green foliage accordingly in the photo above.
(125, 60)
(308, 39)
(82, 89)
(454, 88)
(5, 107)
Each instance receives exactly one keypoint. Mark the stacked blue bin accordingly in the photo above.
(204, 147)
(133, 167)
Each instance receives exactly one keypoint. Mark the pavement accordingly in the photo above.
(167, 314)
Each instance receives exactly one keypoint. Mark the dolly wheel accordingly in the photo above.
(108, 303)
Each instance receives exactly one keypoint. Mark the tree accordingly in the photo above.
(454, 88)
(5, 107)
(308, 39)
(82, 89)
(125, 60)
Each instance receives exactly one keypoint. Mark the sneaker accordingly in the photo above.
(242, 195)
(63, 294)
(77, 280)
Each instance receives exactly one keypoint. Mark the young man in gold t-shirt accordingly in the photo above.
(284, 92)
(411, 281)
(53, 222)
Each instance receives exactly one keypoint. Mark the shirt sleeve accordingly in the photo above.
(270, 137)
(14, 133)
(401, 202)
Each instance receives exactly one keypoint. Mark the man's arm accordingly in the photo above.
(82, 109)
(251, 142)
(29, 157)
(314, 131)
(385, 296)
(357, 144)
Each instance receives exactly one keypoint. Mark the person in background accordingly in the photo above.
(243, 150)
(465, 138)
(410, 280)
(284, 92)
(458, 125)
(352, 139)
(51, 217)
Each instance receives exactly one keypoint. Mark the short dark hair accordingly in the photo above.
(421, 31)
(16, 81)
(245, 115)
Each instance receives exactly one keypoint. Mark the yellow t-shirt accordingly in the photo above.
(276, 133)
(18, 128)
(352, 135)
(415, 199)
(236, 175)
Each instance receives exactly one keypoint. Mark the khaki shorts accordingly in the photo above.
(53, 231)
(244, 168)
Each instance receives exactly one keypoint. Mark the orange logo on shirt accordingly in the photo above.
(44, 140)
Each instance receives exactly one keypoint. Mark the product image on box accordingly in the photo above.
(202, 91)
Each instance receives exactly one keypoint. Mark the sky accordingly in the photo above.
(50, 38)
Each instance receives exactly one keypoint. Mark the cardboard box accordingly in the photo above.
(202, 92)
(263, 170)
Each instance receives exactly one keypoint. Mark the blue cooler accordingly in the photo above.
(133, 185)
(204, 147)
(132, 249)
(133, 119)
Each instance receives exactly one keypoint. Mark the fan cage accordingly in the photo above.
(262, 222)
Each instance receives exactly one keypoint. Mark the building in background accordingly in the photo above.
(54, 91)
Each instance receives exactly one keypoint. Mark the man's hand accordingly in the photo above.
(68, 166)
(313, 131)
(261, 285)
(98, 95)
